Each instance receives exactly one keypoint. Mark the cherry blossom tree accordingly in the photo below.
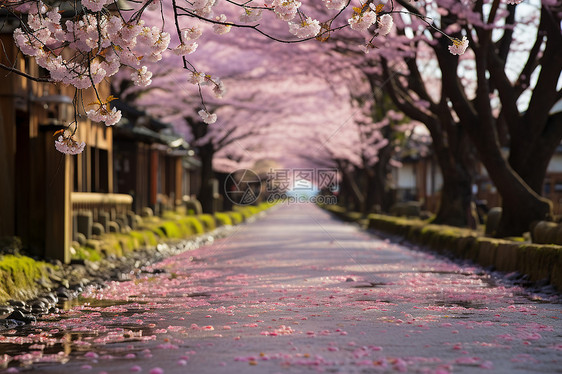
(289, 60)
(252, 113)
(382, 139)
(452, 147)
(457, 167)
(82, 43)
(500, 95)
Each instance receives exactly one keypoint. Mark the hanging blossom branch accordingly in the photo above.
(95, 40)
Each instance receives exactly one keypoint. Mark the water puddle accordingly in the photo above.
(94, 303)
(467, 304)
(82, 325)
(370, 285)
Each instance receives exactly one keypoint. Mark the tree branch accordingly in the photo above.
(25, 75)
(544, 92)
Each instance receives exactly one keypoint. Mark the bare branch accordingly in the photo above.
(25, 75)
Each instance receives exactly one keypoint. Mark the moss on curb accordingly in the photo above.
(20, 275)
(236, 217)
(208, 221)
(223, 219)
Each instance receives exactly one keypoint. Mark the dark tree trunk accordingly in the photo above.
(350, 192)
(379, 197)
(520, 204)
(206, 194)
(451, 146)
(456, 158)
(531, 136)
(531, 161)
(455, 200)
(206, 152)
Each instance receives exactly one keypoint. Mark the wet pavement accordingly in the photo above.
(296, 292)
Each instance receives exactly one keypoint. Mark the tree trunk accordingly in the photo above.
(521, 206)
(205, 195)
(451, 146)
(455, 200)
(371, 192)
(455, 155)
(531, 161)
(351, 194)
(378, 197)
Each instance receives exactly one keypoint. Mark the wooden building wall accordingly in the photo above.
(37, 180)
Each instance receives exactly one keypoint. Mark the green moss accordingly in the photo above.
(195, 226)
(236, 217)
(128, 242)
(252, 210)
(150, 238)
(519, 239)
(244, 210)
(19, 276)
(85, 253)
(145, 238)
(110, 245)
(208, 222)
(335, 208)
(171, 230)
(170, 215)
(223, 219)
(159, 232)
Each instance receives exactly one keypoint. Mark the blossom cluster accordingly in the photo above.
(459, 46)
(66, 143)
(305, 29)
(97, 45)
(100, 44)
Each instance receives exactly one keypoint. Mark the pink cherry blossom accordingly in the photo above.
(459, 46)
(362, 21)
(305, 29)
(67, 144)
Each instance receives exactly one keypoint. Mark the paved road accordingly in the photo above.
(297, 292)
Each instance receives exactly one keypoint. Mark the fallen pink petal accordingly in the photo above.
(291, 302)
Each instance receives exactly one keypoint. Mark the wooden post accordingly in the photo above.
(154, 175)
(7, 138)
(58, 186)
(108, 132)
(7, 161)
(178, 181)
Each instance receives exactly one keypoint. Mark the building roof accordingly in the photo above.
(137, 124)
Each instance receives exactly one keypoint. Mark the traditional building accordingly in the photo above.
(38, 181)
(153, 164)
(49, 199)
